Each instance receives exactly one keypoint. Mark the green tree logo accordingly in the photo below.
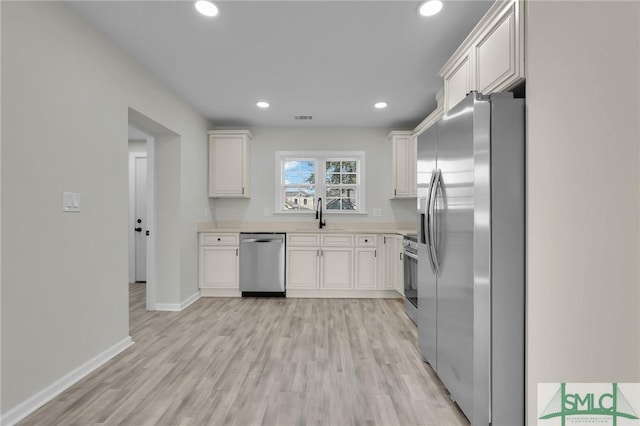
(589, 404)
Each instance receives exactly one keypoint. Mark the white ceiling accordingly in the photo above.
(329, 59)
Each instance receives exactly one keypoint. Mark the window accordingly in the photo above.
(336, 177)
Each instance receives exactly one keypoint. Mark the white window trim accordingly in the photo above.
(320, 157)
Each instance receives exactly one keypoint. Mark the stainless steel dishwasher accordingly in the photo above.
(262, 264)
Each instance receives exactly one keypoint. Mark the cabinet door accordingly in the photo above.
(219, 267)
(458, 83)
(302, 267)
(337, 268)
(390, 263)
(404, 165)
(497, 52)
(227, 166)
(366, 268)
(398, 277)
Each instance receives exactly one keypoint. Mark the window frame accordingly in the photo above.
(321, 158)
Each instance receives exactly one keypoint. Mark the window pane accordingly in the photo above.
(333, 179)
(298, 171)
(349, 193)
(349, 166)
(333, 192)
(349, 179)
(349, 204)
(333, 204)
(333, 167)
(299, 198)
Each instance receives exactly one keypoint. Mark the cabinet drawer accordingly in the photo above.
(338, 240)
(365, 240)
(219, 239)
(308, 240)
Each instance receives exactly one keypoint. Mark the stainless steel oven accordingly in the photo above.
(410, 265)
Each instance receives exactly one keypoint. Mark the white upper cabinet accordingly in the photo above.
(458, 82)
(491, 58)
(229, 163)
(403, 166)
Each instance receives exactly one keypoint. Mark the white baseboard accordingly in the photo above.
(36, 401)
(177, 307)
(344, 294)
(169, 307)
(190, 300)
(220, 292)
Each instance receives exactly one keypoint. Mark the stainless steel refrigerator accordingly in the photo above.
(471, 255)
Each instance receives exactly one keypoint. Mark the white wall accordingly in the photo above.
(137, 146)
(65, 99)
(583, 193)
(266, 141)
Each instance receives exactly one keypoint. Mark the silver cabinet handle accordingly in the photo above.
(432, 223)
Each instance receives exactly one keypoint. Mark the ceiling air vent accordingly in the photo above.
(303, 117)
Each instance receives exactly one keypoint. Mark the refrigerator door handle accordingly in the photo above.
(426, 226)
(423, 218)
(433, 195)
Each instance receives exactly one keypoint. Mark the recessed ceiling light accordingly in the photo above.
(263, 104)
(430, 8)
(206, 8)
(380, 105)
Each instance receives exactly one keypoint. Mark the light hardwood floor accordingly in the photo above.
(261, 362)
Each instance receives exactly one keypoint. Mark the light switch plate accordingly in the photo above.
(70, 202)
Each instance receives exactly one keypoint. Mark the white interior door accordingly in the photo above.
(140, 223)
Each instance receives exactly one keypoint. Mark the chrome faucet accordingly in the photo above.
(321, 223)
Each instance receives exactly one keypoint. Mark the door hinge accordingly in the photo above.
(236, 252)
(375, 253)
(242, 190)
(395, 192)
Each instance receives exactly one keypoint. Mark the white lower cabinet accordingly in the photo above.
(366, 268)
(328, 264)
(342, 264)
(219, 267)
(317, 265)
(337, 268)
(218, 259)
(391, 270)
(303, 268)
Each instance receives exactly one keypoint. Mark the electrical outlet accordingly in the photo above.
(70, 202)
(377, 212)
(267, 212)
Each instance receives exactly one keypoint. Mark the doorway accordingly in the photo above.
(159, 173)
(140, 211)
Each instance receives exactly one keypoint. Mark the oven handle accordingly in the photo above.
(410, 255)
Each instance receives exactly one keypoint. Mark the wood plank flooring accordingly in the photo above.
(261, 362)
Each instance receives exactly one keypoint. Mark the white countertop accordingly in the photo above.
(305, 228)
